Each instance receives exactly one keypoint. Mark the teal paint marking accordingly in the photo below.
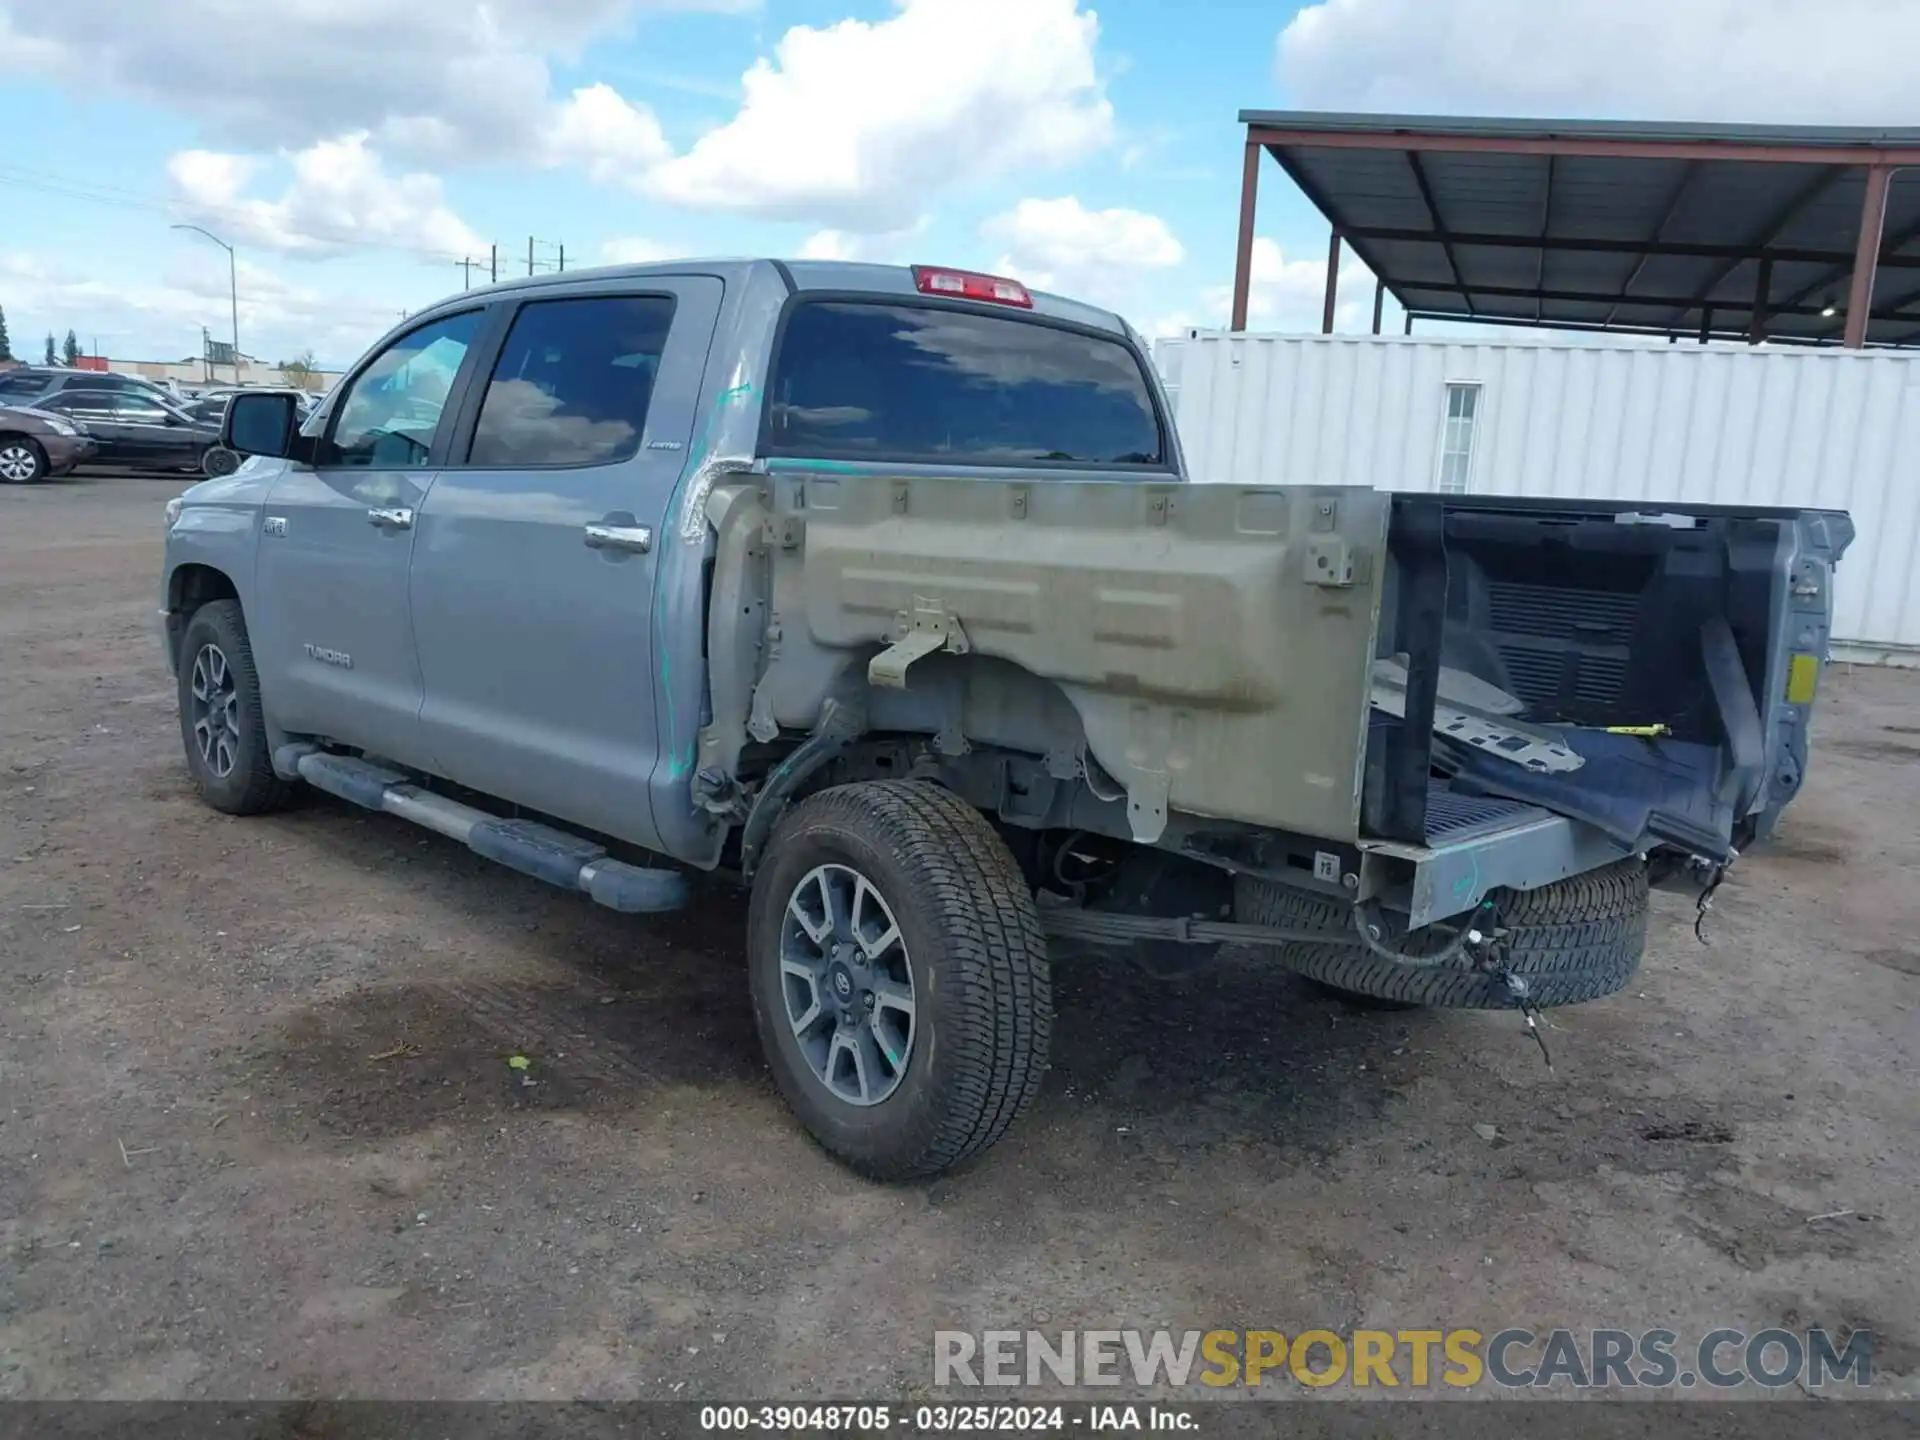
(677, 764)
(1468, 885)
(824, 467)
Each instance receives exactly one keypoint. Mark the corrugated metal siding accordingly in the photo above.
(1715, 424)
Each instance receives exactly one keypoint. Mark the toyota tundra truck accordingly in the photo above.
(881, 592)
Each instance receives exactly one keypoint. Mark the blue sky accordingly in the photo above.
(355, 150)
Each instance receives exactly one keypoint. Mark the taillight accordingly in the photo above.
(966, 285)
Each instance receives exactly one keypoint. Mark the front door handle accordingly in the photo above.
(636, 539)
(397, 518)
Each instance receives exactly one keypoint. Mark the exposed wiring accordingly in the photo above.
(1715, 875)
(1366, 920)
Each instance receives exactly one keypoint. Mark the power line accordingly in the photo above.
(101, 194)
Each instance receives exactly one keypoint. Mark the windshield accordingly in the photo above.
(863, 380)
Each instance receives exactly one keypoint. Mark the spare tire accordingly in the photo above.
(1574, 940)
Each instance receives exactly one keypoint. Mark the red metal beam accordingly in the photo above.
(1243, 253)
(1333, 284)
(1590, 148)
(1873, 224)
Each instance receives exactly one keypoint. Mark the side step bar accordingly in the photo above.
(537, 850)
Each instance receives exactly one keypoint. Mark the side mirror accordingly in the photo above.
(260, 425)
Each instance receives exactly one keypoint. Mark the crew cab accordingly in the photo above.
(883, 592)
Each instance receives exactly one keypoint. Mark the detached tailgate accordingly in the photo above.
(1216, 641)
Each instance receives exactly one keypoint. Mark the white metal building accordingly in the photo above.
(1724, 424)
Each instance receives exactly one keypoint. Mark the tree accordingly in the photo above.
(300, 371)
(52, 357)
(6, 345)
(71, 349)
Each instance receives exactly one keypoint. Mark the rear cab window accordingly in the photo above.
(884, 380)
(573, 383)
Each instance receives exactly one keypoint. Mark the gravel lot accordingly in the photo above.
(258, 1136)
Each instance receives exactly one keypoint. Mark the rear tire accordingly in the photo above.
(1572, 941)
(221, 721)
(22, 461)
(970, 962)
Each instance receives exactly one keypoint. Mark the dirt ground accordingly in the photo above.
(258, 1135)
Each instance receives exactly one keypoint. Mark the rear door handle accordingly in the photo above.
(636, 539)
(397, 518)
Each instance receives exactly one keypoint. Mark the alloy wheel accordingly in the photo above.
(847, 985)
(18, 464)
(216, 711)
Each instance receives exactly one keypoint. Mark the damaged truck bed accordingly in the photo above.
(1408, 698)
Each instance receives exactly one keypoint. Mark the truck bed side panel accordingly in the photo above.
(1216, 641)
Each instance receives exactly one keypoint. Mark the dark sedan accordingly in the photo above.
(142, 432)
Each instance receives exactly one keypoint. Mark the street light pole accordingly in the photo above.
(233, 289)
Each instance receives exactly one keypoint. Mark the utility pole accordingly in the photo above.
(466, 273)
(233, 290)
(563, 257)
(493, 266)
(529, 255)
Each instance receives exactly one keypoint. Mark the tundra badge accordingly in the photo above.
(274, 525)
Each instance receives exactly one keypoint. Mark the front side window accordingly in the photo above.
(134, 409)
(573, 382)
(859, 380)
(391, 409)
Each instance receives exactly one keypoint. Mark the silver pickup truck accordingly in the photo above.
(881, 591)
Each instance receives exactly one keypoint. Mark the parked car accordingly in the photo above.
(30, 384)
(210, 406)
(882, 590)
(139, 431)
(37, 445)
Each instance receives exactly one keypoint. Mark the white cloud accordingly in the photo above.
(454, 81)
(886, 248)
(605, 134)
(1834, 61)
(162, 319)
(1061, 245)
(857, 124)
(339, 197)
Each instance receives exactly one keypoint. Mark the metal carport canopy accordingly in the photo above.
(1749, 231)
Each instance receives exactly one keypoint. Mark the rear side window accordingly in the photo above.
(855, 380)
(573, 382)
(23, 384)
